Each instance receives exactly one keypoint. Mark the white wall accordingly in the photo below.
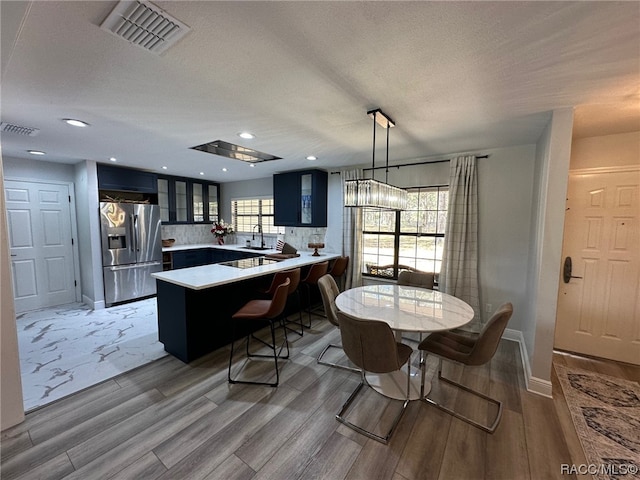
(505, 194)
(606, 151)
(89, 241)
(552, 171)
(11, 403)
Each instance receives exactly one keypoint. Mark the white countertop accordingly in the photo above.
(206, 276)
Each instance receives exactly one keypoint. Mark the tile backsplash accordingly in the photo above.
(298, 237)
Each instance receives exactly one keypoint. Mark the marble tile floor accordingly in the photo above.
(68, 348)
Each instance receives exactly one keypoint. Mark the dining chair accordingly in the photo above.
(416, 279)
(263, 310)
(311, 280)
(278, 279)
(329, 291)
(371, 346)
(470, 351)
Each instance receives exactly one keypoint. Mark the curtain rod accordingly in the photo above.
(411, 164)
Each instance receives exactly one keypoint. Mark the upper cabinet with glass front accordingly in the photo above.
(186, 200)
(300, 198)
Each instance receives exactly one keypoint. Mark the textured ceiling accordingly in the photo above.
(455, 76)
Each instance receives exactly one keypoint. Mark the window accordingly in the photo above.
(412, 239)
(246, 213)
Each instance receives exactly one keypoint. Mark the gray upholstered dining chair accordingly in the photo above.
(371, 346)
(329, 290)
(471, 351)
(416, 279)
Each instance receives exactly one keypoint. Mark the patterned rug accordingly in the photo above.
(606, 414)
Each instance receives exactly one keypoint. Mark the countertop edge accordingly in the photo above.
(204, 276)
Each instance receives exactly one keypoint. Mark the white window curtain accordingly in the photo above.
(352, 235)
(459, 271)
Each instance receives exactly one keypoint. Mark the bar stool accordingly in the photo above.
(293, 275)
(270, 311)
(316, 271)
(338, 270)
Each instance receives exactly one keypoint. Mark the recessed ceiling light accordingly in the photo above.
(224, 169)
(164, 167)
(252, 164)
(201, 173)
(312, 157)
(113, 159)
(75, 123)
(246, 135)
(36, 152)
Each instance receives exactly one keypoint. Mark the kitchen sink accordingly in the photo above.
(257, 248)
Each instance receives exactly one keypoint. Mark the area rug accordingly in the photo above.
(606, 414)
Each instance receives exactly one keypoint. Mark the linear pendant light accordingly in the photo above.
(371, 193)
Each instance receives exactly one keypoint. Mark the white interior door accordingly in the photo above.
(599, 309)
(40, 241)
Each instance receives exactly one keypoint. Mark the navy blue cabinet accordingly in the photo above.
(300, 198)
(126, 180)
(205, 256)
(191, 258)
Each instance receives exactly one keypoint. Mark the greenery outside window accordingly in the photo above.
(246, 213)
(412, 239)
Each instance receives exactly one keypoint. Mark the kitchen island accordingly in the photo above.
(195, 304)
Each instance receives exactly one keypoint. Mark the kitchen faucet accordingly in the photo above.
(253, 235)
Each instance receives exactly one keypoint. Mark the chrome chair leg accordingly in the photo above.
(487, 428)
(335, 365)
(380, 438)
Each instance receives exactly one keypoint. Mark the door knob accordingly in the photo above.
(566, 271)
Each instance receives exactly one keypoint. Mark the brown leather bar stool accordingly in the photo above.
(316, 271)
(263, 310)
(293, 275)
(338, 270)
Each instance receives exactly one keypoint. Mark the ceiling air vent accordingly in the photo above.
(229, 150)
(144, 25)
(18, 129)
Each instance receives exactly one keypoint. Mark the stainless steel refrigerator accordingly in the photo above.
(131, 250)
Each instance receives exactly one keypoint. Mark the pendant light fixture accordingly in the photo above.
(369, 192)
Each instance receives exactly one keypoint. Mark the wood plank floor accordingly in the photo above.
(169, 420)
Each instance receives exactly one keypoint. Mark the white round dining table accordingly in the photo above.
(405, 309)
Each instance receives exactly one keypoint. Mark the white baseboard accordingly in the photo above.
(533, 384)
(93, 305)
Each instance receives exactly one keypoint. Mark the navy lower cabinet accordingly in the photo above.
(191, 258)
(206, 256)
(192, 323)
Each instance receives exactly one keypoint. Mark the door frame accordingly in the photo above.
(74, 226)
